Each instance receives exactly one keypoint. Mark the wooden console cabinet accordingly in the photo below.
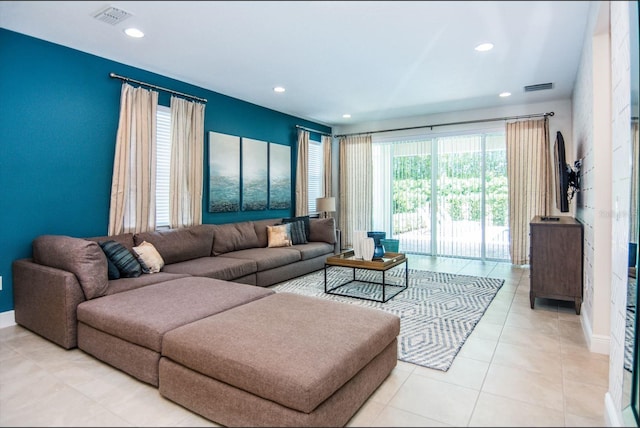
(556, 259)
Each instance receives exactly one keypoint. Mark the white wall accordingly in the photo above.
(561, 121)
(592, 143)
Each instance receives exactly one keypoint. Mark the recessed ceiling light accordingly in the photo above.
(278, 89)
(134, 32)
(346, 115)
(484, 47)
(505, 94)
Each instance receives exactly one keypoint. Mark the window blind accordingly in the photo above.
(163, 165)
(315, 174)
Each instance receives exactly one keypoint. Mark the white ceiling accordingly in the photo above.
(373, 59)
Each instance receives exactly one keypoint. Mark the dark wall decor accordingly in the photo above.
(279, 177)
(224, 173)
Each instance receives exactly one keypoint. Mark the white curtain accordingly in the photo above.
(133, 198)
(529, 178)
(302, 180)
(326, 167)
(187, 157)
(356, 189)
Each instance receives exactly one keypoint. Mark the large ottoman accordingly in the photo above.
(126, 329)
(283, 360)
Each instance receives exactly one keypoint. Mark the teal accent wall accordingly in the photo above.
(58, 121)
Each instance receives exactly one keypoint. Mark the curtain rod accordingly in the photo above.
(451, 123)
(127, 79)
(312, 130)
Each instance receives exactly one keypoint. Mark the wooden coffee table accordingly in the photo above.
(388, 261)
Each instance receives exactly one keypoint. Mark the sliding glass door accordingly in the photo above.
(444, 195)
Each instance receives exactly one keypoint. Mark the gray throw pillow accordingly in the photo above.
(323, 230)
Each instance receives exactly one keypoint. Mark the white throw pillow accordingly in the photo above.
(149, 257)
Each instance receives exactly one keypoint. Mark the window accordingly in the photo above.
(444, 193)
(315, 174)
(163, 165)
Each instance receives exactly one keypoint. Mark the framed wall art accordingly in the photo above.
(279, 177)
(254, 174)
(224, 173)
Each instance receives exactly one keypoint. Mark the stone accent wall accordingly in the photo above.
(620, 191)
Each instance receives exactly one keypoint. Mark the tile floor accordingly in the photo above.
(519, 367)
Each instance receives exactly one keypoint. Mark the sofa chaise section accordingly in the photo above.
(45, 298)
(284, 360)
(126, 329)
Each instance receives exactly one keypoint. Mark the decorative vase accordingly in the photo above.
(358, 235)
(390, 245)
(367, 246)
(378, 248)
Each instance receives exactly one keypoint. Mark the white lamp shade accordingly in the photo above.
(326, 204)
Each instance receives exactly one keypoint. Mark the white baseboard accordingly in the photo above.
(612, 416)
(7, 319)
(600, 344)
(595, 342)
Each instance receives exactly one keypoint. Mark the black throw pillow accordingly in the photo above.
(305, 220)
(127, 264)
(112, 270)
(298, 235)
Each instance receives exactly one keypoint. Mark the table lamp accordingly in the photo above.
(326, 205)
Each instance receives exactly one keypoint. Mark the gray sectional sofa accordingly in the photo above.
(65, 271)
(207, 330)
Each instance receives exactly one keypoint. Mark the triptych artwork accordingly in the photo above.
(247, 174)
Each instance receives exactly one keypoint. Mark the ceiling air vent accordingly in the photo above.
(538, 87)
(112, 15)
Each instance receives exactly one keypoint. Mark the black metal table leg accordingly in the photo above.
(325, 278)
(383, 287)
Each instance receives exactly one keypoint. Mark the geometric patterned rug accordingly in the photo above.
(438, 311)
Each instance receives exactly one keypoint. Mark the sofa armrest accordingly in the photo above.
(45, 301)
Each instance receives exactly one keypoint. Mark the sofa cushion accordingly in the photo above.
(178, 245)
(150, 260)
(125, 261)
(291, 349)
(323, 230)
(126, 284)
(312, 250)
(266, 258)
(214, 267)
(261, 230)
(305, 219)
(126, 239)
(143, 315)
(234, 236)
(279, 236)
(82, 257)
